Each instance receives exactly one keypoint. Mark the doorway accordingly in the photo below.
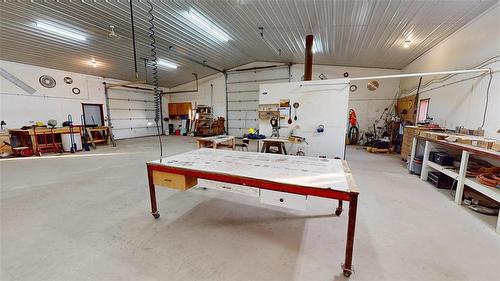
(93, 114)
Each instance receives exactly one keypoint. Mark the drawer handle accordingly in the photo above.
(282, 200)
(167, 180)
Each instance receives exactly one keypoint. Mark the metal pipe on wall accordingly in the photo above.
(108, 112)
(227, 103)
(308, 58)
(185, 91)
(331, 81)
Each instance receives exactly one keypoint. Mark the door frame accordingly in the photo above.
(100, 109)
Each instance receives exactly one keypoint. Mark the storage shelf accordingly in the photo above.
(460, 176)
(489, 191)
(445, 170)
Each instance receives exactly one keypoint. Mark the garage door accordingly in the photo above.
(132, 113)
(243, 95)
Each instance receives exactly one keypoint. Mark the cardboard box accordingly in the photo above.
(478, 132)
(485, 143)
(437, 136)
(464, 141)
(496, 146)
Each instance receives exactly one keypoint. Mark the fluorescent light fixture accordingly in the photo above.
(167, 64)
(206, 26)
(60, 31)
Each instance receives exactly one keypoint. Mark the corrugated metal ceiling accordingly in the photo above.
(352, 33)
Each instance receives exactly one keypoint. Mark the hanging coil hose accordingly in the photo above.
(154, 62)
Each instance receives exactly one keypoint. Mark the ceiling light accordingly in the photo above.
(206, 25)
(60, 31)
(406, 44)
(167, 64)
(93, 62)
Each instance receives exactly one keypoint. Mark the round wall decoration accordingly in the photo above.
(68, 80)
(372, 85)
(353, 88)
(75, 91)
(47, 81)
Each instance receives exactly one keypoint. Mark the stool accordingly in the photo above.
(243, 146)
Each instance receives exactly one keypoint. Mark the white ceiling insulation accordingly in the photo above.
(351, 33)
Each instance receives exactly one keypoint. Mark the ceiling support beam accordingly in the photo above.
(203, 63)
(308, 58)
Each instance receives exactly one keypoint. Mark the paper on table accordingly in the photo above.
(296, 170)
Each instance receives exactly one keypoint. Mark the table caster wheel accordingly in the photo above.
(338, 212)
(347, 271)
(156, 215)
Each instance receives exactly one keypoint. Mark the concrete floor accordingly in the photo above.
(86, 217)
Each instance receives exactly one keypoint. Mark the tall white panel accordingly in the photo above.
(318, 105)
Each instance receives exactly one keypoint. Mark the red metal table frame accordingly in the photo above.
(350, 196)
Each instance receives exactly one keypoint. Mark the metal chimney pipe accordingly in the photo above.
(308, 64)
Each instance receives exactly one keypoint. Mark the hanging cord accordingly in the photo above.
(154, 62)
(487, 97)
(133, 39)
(489, 61)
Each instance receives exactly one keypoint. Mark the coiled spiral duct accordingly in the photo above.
(154, 63)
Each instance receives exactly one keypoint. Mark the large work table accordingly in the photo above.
(282, 179)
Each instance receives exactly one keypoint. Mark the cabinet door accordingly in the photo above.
(172, 109)
(185, 108)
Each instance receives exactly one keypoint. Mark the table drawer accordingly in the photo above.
(283, 199)
(236, 188)
(175, 181)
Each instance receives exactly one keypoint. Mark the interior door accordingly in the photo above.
(93, 114)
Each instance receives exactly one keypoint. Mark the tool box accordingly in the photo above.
(440, 180)
(441, 158)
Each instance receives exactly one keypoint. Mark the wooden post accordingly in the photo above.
(308, 58)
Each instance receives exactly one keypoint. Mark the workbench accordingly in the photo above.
(217, 142)
(27, 137)
(281, 180)
(273, 142)
(459, 175)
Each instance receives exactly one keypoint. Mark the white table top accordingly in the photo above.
(217, 139)
(287, 169)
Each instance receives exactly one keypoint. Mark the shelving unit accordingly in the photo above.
(460, 176)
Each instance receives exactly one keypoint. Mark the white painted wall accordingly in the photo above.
(368, 105)
(463, 103)
(318, 105)
(19, 108)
